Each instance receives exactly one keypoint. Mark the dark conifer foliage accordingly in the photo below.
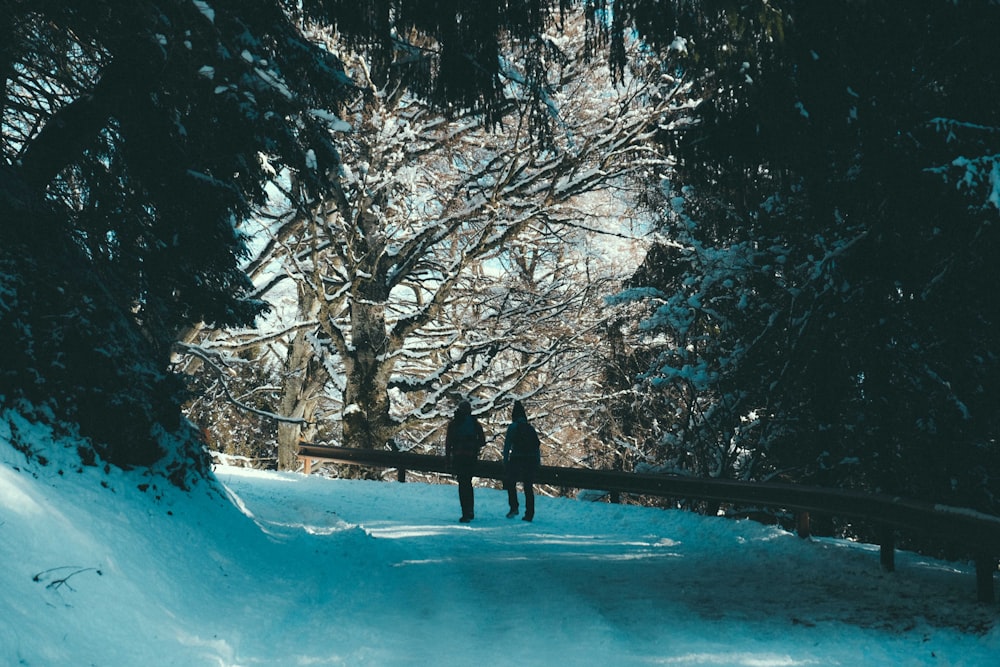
(136, 138)
(840, 217)
(132, 143)
(447, 51)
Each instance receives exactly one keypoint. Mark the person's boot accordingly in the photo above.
(512, 513)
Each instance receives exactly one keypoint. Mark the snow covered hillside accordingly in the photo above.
(282, 569)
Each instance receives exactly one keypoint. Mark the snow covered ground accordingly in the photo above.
(282, 569)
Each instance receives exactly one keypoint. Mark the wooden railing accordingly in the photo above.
(979, 532)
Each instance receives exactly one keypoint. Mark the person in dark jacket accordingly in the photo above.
(462, 443)
(521, 457)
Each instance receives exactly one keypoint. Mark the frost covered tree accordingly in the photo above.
(443, 264)
(133, 138)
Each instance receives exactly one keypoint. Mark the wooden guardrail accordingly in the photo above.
(975, 530)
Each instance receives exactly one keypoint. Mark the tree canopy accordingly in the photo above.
(831, 222)
(138, 136)
(821, 304)
(443, 264)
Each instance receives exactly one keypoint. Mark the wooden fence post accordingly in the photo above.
(887, 548)
(400, 474)
(306, 465)
(985, 567)
(802, 524)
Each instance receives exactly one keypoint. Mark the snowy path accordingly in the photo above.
(592, 583)
(117, 568)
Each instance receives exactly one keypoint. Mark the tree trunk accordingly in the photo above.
(299, 397)
(367, 423)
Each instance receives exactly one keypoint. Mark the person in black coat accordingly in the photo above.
(462, 443)
(521, 457)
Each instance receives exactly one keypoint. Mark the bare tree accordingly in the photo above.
(443, 266)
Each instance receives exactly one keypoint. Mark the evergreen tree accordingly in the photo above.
(835, 210)
(137, 137)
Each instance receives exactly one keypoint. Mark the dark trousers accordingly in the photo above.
(521, 470)
(463, 473)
